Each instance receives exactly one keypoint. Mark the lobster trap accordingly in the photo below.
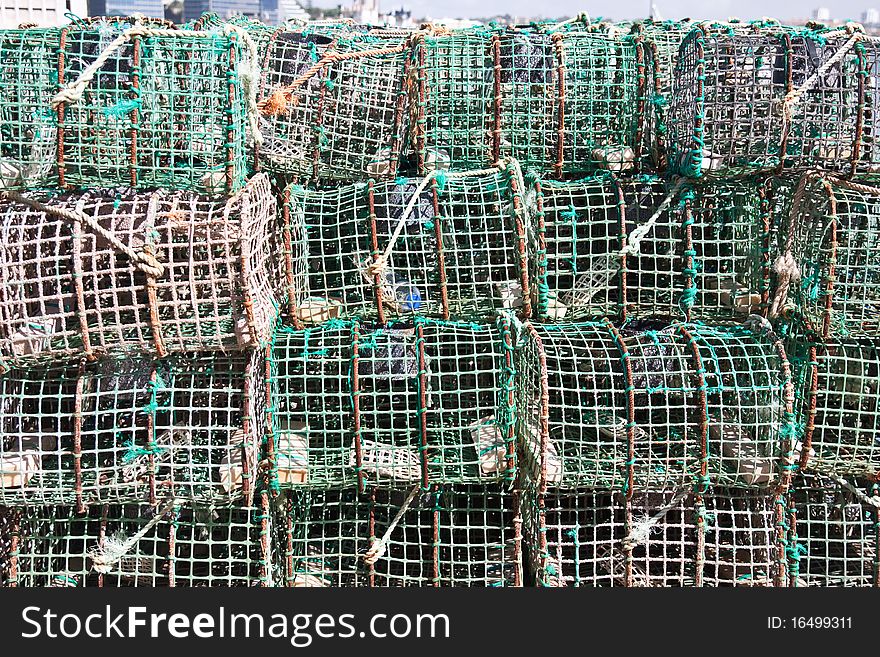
(664, 539)
(139, 545)
(642, 247)
(654, 406)
(449, 245)
(762, 97)
(828, 268)
(105, 103)
(838, 384)
(427, 402)
(87, 273)
(833, 533)
(445, 536)
(333, 105)
(129, 430)
(561, 100)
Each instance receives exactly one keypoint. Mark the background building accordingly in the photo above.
(278, 11)
(192, 9)
(270, 11)
(152, 8)
(42, 12)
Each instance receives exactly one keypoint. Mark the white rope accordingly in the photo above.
(642, 530)
(633, 242)
(145, 259)
(379, 266)
(793, 96)
(870, 500)
(378, 545)
(105, 557)
(73, 91)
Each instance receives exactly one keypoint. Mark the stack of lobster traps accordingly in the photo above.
(797, 106)
(323, 304)
(138, 294)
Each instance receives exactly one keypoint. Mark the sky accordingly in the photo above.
(623, 9)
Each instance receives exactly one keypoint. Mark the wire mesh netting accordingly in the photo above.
(426, 401)
(132, 545)
(445, 536)
(831, 235)
(643, 247)
(66, 289)
(838, 383)
(259, 32)
(762, 96)
(670, 538)
(834, 531)
(654, 406)
(662, 40)
(129, 430)
(562, 101)
(334, 106)
(167, 109)
(447, 245)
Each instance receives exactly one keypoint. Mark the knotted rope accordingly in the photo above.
(105, 557)
(642, 530)
(379, 266)
(279, 100)
(793, 97)
(378, 545)
(144, 259)
(73, 91)
(785, 267)
(635, 238)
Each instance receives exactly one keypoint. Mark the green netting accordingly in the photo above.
(164, 110)
(642, 247)
(833, 532)
(348, 119)
(654, 406)
(839, 403)
(568, 100)
(448, 245)
(445, 536)
(131, 545)
(258, 31)
(662, 40)
(664, 539)
(832, 233)
(66, 290)
(129, 430)
(752, 97)
(418, 402)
